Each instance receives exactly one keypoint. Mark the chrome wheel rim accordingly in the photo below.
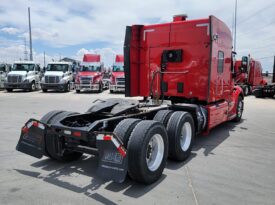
(186, 136)
(154, 152)
(33, 86)
(246, 91)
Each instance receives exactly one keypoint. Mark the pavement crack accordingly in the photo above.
(190, 183)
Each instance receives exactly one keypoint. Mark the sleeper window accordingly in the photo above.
(220, 61)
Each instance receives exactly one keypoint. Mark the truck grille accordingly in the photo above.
(52, 79)
(14, 79)
(120, 81)
(86, 80)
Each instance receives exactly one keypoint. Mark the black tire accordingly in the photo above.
(258, 93)
(9, 90)
(111, 91)
(51, 139)
(139, 150)
(77, 91)
(45, 90)
(33, 87)
(163, 116)
(47, 118)
(124, 129)
(100, 88)
(180, 147)
(239, 110)
(246, 90)
(68, 87)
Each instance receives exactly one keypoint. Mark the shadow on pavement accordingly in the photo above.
(87, 166)
(207, 143)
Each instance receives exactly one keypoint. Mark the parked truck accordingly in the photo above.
(248, 74)
(267, 90)
(90, 74)
(117, 80)
(57, 76)
(4, 69)
(24, 75)
(183, 70)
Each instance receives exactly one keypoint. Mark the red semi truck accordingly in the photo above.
(117, 80)
(183, 70)
(248, 74)
(267, 90)
(90, 74)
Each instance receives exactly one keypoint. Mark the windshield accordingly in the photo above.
(91, 68)
(23, 67)
(2, 68)
(118, 68)
(58, 67)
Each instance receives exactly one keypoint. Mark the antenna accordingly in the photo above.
(25, 51)
(30, 33)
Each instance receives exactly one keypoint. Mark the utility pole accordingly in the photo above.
(30, 33)
(235, 30)
(273, 75)
(44, 60)
(25, 51)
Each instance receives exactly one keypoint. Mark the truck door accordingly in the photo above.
(221, 48)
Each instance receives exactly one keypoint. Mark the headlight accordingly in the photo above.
(62, 80)
(43, 80)
(97, 81)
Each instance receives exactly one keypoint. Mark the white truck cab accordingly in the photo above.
(4, 69)
(23, 75)
(57, 76)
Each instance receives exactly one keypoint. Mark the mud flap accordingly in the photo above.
(32, 139)
(113, 160)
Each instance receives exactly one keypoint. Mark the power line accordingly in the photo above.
(265, 57)
(256, 28)
(255, 14)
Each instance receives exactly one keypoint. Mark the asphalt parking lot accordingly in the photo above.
(235, 164)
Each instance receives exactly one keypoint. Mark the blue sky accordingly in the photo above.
(72, 28)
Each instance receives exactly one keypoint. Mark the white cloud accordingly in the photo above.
(65, 23)
(107, 54)
(10, 30)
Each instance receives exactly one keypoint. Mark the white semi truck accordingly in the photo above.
(4, 69)
(24, 75)
(58, 76)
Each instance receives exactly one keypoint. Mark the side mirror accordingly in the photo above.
(244, 61)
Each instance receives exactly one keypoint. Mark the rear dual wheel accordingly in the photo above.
(51, 139)
(181, 132)
(147, 148)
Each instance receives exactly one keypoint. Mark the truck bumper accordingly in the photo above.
(117, 88)
(93, 87)
(2, 85)
(113, 159)
(17, 85)
(53, 86)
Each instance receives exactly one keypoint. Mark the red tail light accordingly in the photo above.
(77, 134)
